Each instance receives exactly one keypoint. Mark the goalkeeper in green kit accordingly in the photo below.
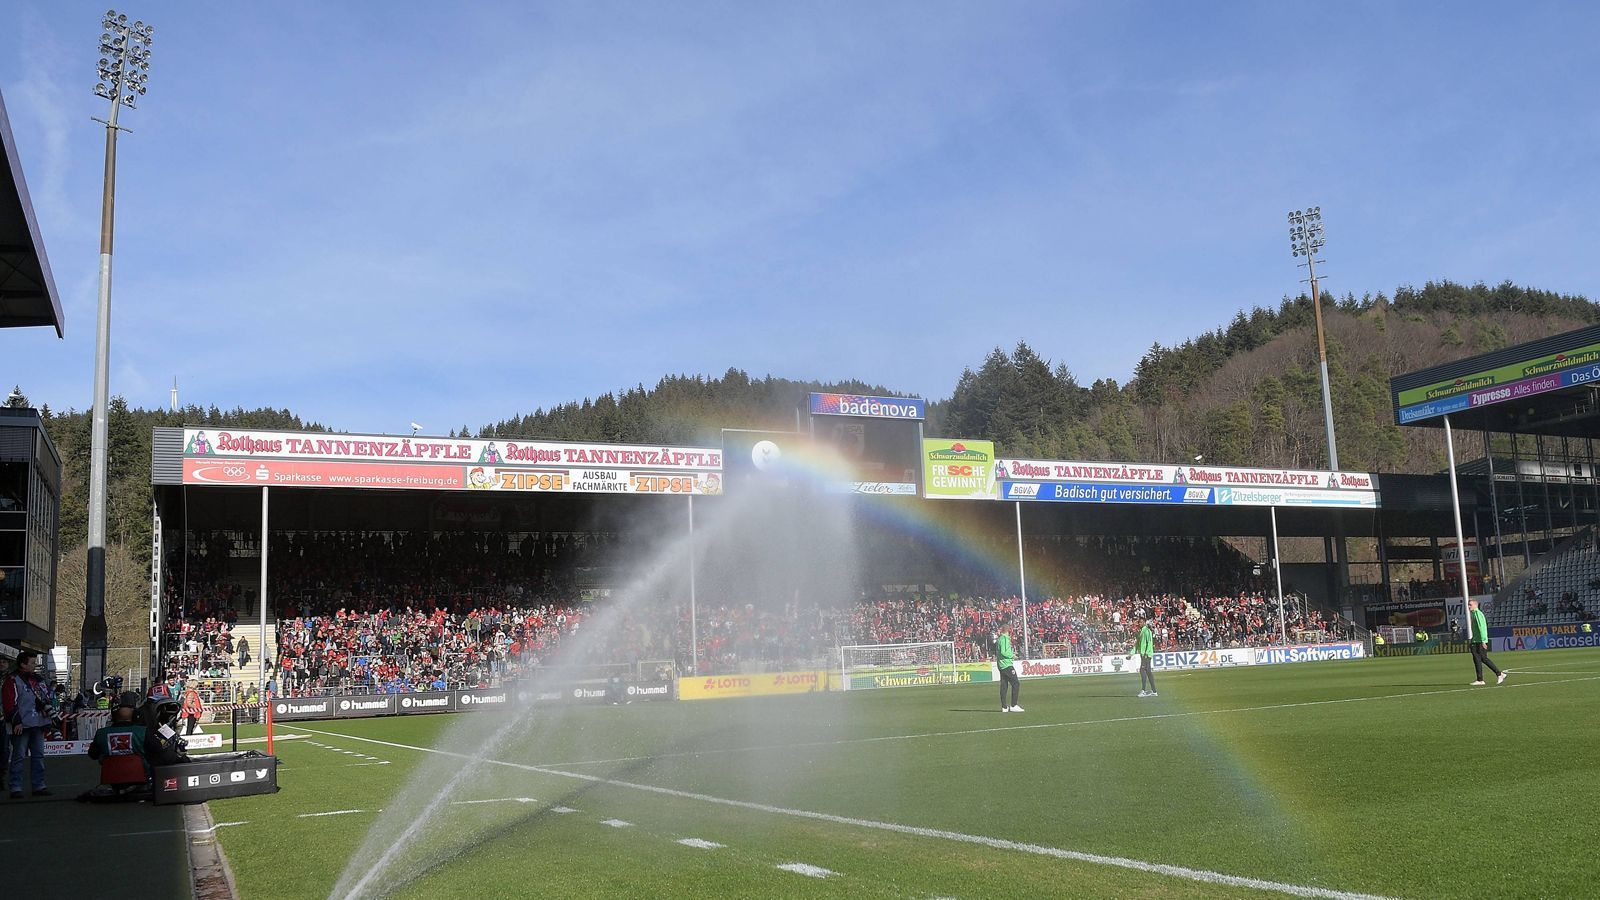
(1005, 661)
(1144, 647)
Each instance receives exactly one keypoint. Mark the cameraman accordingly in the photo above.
(120, 748)
(25, 699)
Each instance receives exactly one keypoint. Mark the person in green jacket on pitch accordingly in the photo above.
(1478, 643)
(1144, 646)
(1005, 661)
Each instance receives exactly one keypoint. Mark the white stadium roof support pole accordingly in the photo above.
(1455, 507)
(1022, 583)
(1277, 572)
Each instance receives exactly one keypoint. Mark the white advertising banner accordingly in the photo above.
(1151, 483)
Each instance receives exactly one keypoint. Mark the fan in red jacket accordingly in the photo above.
(192, 710)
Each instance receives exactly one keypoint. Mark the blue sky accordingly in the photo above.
(454, 214)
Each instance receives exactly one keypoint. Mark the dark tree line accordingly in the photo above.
(1247, 393)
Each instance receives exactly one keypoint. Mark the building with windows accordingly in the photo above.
(30, 466)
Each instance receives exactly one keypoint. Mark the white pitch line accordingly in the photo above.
(176, 830)
(496, 800)
(807, 869)
(760, 748)
(700, 843)
(617, 823)
(337, 812)
(1183, 872)
(562, 809)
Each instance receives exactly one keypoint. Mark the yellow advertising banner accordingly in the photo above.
(711, 687)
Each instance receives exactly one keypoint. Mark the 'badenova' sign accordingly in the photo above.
(910, 408)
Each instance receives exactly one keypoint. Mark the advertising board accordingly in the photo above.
(1203, 659)
(310, 459)
(1090, 492)
(1423, 615)
(1068, 481)
(288, 709)
(1266, 656)
(358, 707)
(710, 687)
(425, 702)
(215, 776)
(1108, 664)
(920, 676)
(490, 699)
(1545, 637)
(1516, 381)
(958, 470)
(866, 407)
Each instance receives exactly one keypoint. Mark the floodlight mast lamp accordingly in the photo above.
(124, 66)
(1306, 239)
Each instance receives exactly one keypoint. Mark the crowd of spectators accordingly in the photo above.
(199, 648)
(369, 612)
(416, 649)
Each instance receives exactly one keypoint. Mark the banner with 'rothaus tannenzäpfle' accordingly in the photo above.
(1070, 481)
(312, 459)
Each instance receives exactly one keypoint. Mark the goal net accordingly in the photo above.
(897, 665)
(1397, 634)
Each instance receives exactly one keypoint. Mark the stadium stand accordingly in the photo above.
(378, 613)
(1562, 586)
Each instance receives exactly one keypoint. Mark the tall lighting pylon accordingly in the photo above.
(1305, 239)
(124, 66)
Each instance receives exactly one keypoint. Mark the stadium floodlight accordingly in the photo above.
(1306, 239)
(415, 428)
(123, 68)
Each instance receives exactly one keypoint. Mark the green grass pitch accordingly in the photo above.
(1387, 777)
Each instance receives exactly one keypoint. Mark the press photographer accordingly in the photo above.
(28, 703)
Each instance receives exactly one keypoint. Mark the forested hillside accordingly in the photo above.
(1246, 393)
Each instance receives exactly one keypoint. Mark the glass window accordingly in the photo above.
(13, 486)
(11, 552)
(10, 594)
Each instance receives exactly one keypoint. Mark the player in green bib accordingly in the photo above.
(1005, 660)
(1478, 643)
(1144, 646)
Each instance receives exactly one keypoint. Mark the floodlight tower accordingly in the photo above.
(124, 66)
(1305, 239)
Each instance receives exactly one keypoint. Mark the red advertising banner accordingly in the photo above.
(229, 443)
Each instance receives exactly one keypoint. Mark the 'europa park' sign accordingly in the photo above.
(311, 459)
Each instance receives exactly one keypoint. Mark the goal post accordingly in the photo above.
(897, 665)
(1398, 634)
